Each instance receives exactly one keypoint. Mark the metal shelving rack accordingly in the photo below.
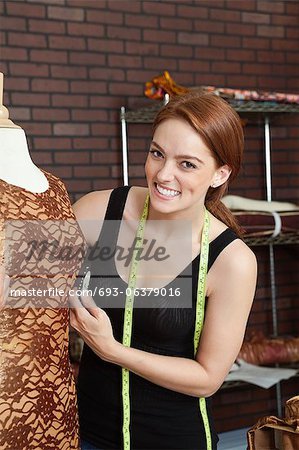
(255, 111)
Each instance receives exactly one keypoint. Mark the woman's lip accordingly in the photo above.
(164, 197)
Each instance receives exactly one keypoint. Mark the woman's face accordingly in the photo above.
(180, 169)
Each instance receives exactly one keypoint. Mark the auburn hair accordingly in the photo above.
(219, 126)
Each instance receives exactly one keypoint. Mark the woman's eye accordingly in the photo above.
(188, 165)
(156, 153)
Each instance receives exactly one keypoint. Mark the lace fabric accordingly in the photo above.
(38, 406)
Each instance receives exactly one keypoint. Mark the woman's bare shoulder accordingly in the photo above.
(92, 205)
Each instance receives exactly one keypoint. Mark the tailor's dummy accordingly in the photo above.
(37, 386)
(16, 165)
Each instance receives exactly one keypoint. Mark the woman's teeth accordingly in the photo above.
(167, 192)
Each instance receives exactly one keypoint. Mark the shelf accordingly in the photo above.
(148, 113)
(286, 239)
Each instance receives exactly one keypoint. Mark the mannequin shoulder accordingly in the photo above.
(92, 205)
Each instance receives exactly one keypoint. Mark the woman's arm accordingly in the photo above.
(231, 287)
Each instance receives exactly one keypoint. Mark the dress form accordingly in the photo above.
(16, 165)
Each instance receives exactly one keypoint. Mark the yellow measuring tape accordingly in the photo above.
(128, 316)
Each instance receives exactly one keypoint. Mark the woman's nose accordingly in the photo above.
(166, 173)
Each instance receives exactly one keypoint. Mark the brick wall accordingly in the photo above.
(70, 65)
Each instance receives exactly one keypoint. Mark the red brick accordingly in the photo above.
(89, 115)
(49, 56)
(193, 38)
(70, 129)
(243, 82)
(258, 43)
(270, 56)
(120, 88)
(51, 115)
(100, 100)
(76, 185)
(67, 43)
(175, 24)
(13, 23)
(159, 36)
(30, 69)
(269, 5)
(68, 72)
(16, 84)
(125, 33)
(42, 158)
(160, 63)
(179, 51)
(37, 128)
(74, 157)
(292, 8)
(13, 54)
(88, 87)
(107, 73)
(107, 184)
(255, 17)
(27, 40)
(225, 67)
(68, 13)
(209, 27)
(194, 65)
(51, 26)
(105, 157)
(21, 114)
(142, 48)
(124, 61)
(79, 101)
(26, 10)
(3, 39)
(87, 59)
(285, 20)
(241, 29)
(225, 15)
(88, 4)
(192, 11)
(240, 55)
(62, 172)
(91, 143)
(125, 5)
(106, 45)
(292, 33)
(271, 31)
(104, 17)
(160, 9)
(211, 53)
(285, 44)
(257, 69)
(85, 29)
(141, 21)
(49, 85)
(50, 143)
(104, 129)
(271, 83)
(210, 79)
(91, 172)
(249, 5)
(30, 99)
(225, 41)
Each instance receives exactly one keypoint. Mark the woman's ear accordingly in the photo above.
(221, 176)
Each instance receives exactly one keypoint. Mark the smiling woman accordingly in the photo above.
(149, 366)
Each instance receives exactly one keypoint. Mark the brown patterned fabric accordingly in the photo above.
(38, 406)
(273, 433)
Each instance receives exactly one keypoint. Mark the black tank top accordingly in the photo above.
(160, 418)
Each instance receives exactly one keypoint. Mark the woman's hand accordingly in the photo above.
(93, 325)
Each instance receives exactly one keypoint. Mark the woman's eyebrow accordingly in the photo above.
(178, 156)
